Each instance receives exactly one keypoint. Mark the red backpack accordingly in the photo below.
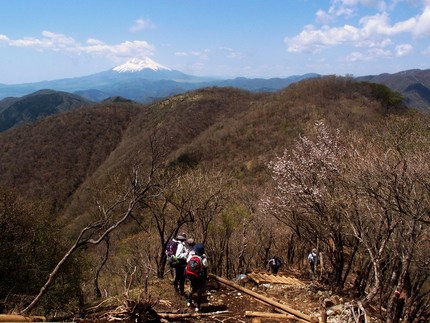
(194, 267)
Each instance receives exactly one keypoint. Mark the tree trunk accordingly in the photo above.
(350, 262)
(339, 260)
(241, 265)
(96, 278)
(376, 286)
(396, 299)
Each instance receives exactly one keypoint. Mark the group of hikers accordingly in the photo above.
(189, 261)
(313, 260)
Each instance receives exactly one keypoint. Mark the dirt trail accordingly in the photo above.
(220, 298)
(224, 303)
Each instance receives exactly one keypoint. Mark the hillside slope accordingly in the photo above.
(236, 131)
(414, 85)
(61, 158)
(51, 158)
(29, 108)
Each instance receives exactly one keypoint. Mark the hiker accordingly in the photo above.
(313, 260)
(180, 261)
(196, 272)
(189, 246)
(171, 247)
(274, 264)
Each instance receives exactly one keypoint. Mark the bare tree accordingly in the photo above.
(99, 269)
(389, 210)
(139, 188)
(193, 198)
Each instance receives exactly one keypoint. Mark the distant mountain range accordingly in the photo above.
(143, 81)
(414, 85)
(146, 81)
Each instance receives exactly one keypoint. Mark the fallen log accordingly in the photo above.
(270, 315)
(21, 318)
(263, 298)
(175, 316)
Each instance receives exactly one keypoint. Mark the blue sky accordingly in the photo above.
(52, 39)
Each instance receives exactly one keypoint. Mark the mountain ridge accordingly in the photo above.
(146, 81)
(413, 84)
(37, 105)
(155, 82)
(62, 157)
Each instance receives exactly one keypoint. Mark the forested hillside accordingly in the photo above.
(50, 159)
(19, 111)
(329, 163)
(413, 84)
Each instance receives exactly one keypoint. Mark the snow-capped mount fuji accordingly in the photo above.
(137, 65)
(149, 70)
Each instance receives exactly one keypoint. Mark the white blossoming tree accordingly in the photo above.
(308, 194)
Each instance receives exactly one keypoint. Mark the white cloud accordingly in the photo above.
(28, 42)
(323, 17)
(380, 25)
(311, 39)
(371, 43)
(199, 54)
(59, 42)
(369, 55)
(372, 31)
(349, 8)
(141, 24)
(231, 53)
(378, 52)
(422, 23)
(4, 38)
(50, 40)
(403, 49)
(426, 51)
(355, 56)
(202, 55)
(92, 41)
(346, 9)
(125, 50)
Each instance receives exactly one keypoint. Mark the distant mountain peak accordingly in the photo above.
(137, 65)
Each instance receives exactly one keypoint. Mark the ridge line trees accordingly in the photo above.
(369, 197)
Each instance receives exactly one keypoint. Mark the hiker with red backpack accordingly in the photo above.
(196, 272)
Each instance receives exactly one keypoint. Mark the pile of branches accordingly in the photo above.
(133, 311)
(129, 310)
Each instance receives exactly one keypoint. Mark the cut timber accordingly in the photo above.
(262, 298)
(21, 318)
(314, 319)
(261, 278)
(175, 316)
(269, 315)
